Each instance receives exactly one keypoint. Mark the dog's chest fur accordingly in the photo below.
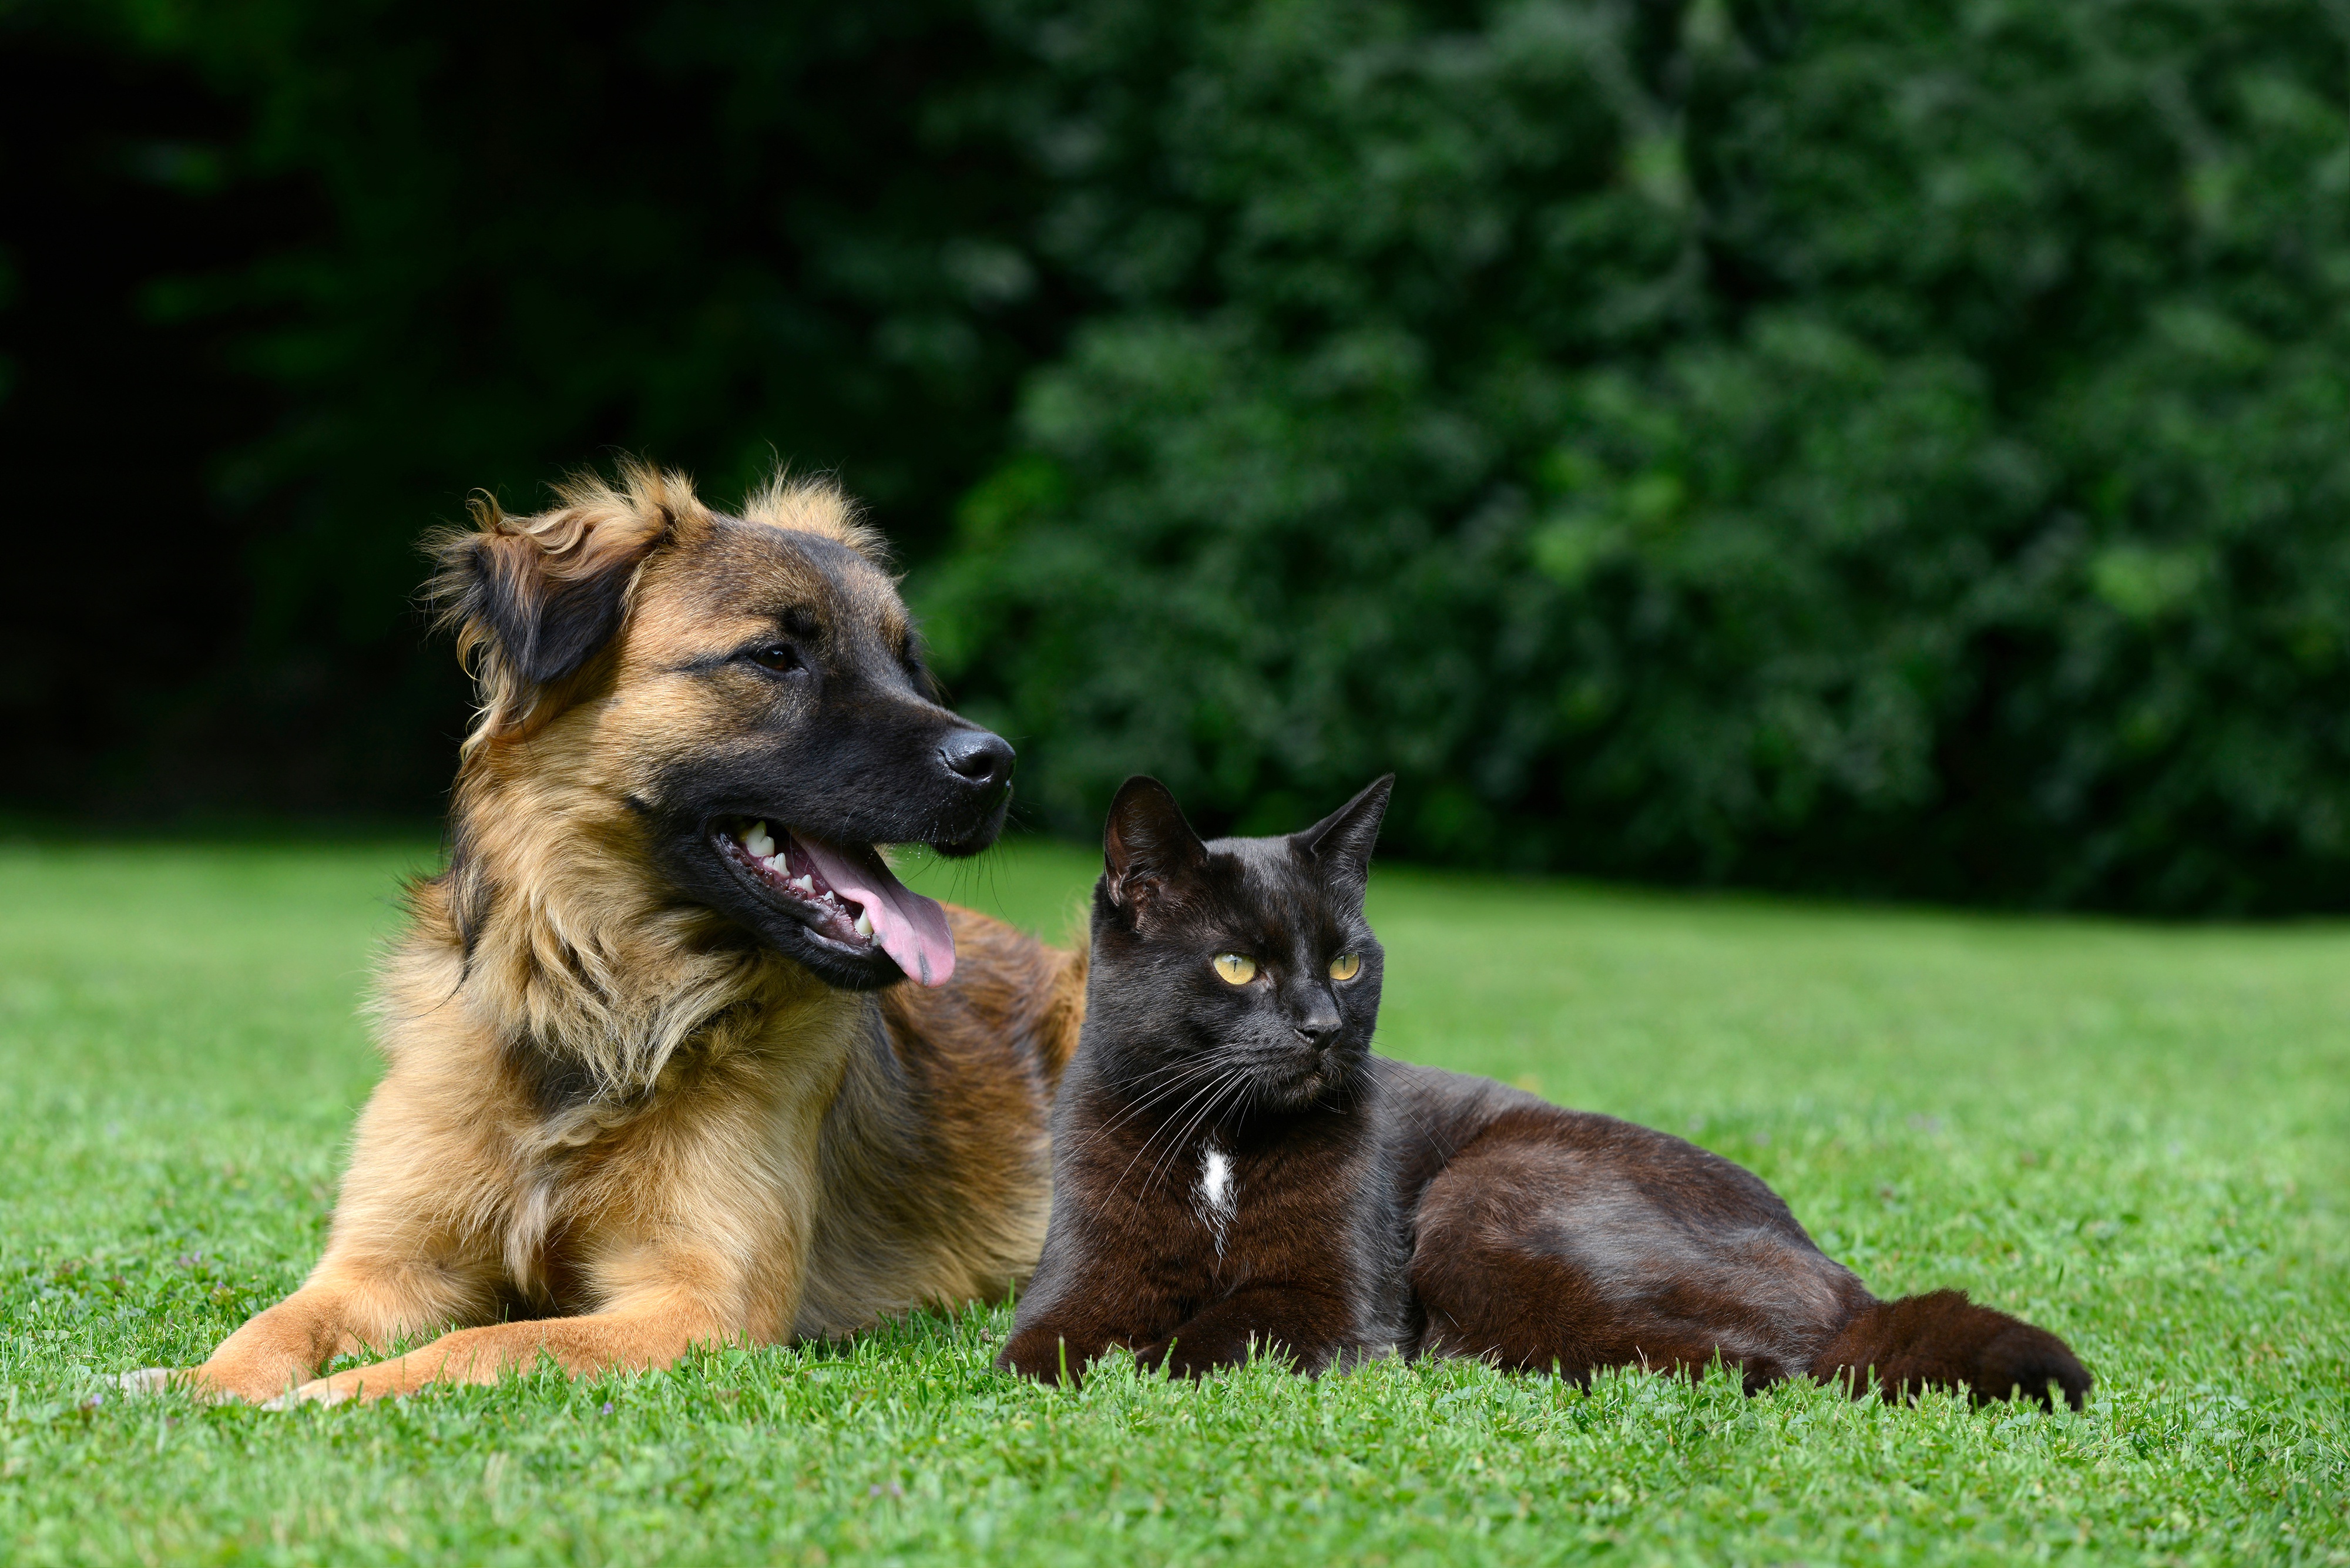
(815, 1101)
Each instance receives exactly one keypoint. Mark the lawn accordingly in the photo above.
(2138, 1136)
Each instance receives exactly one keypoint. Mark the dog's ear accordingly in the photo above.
(1146, 845)
(533, 598)
(1341, 843)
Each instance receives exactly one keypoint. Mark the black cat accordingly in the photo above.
(1233, 1167)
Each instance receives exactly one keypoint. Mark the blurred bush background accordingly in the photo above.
(1860, 446)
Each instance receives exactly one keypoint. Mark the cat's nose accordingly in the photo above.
(1318, 1026)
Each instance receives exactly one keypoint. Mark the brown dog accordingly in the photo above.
(650, 1084)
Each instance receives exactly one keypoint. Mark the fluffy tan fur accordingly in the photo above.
(737, 1151)
(816, 505)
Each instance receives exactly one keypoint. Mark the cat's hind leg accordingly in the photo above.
(1554, 1240)
(1535, 1254)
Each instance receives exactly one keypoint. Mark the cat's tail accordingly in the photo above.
(1941, 1340)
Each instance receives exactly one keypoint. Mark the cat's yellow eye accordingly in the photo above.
(1345, 966)
(1236, 970)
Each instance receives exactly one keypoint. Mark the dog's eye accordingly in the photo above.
(1234, 969)
(776, 656)
(1345, 966)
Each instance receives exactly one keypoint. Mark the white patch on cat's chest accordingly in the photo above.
(1217, 1200)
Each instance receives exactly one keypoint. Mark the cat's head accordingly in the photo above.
(1237, 974)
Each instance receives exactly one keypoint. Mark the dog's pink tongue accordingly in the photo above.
(910, 929)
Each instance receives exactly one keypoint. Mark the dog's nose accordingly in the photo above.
(974, 754)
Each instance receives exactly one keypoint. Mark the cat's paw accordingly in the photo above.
(1045, 1356)
(1199, 1358)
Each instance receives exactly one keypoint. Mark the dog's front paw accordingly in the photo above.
(211, 1383)
(336, 1390)
(197, 1382)
(154, 1379)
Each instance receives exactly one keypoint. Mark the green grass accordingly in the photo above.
(2136, 1136)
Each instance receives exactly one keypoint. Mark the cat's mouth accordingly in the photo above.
(844, 896)
(1293, 1082)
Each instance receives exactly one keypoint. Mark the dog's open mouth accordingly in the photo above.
(844, 896)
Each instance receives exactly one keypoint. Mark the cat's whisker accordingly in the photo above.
(1244, 1082)
(1178, 1142)
(1189, 1071)
(1206, 1101)
(1181, 1072)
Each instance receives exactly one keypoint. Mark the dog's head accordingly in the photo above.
(747, 691)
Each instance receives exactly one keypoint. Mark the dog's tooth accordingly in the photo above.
(760, 846)
(805, 885)
(864, 924)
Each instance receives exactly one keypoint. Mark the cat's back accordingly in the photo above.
(1429, 1116)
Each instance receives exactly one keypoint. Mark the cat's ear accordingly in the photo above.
(1146, 843)
(1340, 844)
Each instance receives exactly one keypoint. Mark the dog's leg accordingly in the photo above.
(345, 1307)
(705, 1242)
(385, 1276)
(402, 1259)
(648, 1330)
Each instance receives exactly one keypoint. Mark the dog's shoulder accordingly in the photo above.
(1010, 994)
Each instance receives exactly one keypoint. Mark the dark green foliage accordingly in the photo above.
(525, 236)
(1852, 446)
(1879, 447)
